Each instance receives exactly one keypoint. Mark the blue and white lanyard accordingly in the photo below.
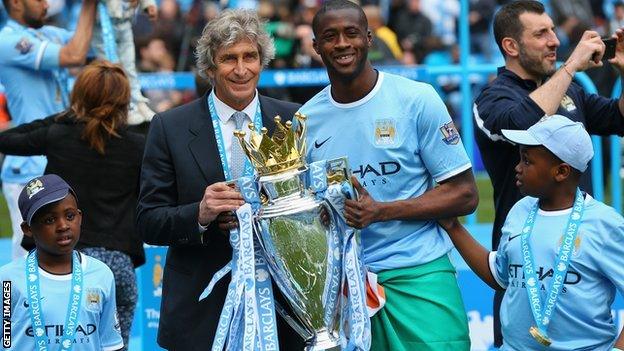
(108, 35)
(249, 170)
(34, 299)
(242, 296)
(542, 312)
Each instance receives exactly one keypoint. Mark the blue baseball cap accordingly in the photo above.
(42, 191)
(566, 139)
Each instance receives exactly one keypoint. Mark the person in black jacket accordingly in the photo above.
(190, 152)
(88, 145)
(529, 87)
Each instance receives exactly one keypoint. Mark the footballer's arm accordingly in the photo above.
(456, 196)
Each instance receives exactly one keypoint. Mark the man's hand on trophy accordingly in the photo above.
(363, 211)
(218, 198)
(324, 216)
(227, 221)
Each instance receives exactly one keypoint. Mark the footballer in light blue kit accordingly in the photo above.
(399, 140)
(561, 255)
(60, 299)
(36, 85)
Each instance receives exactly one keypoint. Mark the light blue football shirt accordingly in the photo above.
(98, 327)
(31, 77)
(582, 317)
(399, 140)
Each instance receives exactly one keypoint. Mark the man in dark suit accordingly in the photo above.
(190, 152)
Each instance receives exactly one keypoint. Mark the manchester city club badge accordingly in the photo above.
(33, 187)
(93, 300)
(385, 131)
(568, 104)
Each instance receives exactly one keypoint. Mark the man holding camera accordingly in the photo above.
(529, 87)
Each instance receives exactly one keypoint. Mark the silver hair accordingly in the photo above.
(230, 27)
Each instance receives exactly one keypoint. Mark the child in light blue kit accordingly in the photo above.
(561, 254)
(60, 298)
(121, 13)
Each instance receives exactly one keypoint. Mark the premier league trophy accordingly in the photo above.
(304, 253)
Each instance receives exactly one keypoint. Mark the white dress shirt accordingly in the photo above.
(228, 125)
(225, 112)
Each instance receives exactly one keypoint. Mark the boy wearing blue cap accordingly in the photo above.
(561, 255)
(59, 298)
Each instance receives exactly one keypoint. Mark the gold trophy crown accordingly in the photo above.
(283, 151)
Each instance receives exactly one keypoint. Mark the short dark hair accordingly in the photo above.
(7, 6)
(333, 5)
(507, 20)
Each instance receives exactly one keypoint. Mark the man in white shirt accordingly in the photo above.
(184, 201)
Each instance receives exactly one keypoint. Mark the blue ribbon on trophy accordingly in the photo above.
(355, 313)
(108, 35)
(247, 320)
(283, 238)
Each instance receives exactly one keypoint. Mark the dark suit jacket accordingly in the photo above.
(180, 161)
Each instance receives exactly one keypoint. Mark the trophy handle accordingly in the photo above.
(339, 172)
(292, 322)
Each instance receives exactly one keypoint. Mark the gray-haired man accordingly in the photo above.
(184, 201)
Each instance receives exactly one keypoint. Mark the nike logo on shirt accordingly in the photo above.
(318, 145)
(513, 237)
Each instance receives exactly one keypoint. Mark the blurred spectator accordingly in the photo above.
(618, 17)
(448, 85)
(306, 11)
(121, 16)
(282, 32)
(414, 30)
(305, 57)
(379, 53)
(480, 17)
(572, 18)
(154, 57)
(443, 15)
(88, 146)
(377, 25)
(572, 13)
(170, 27)
(201, 12)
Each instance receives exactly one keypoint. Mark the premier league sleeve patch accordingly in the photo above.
(24, 46)
(450, 135)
